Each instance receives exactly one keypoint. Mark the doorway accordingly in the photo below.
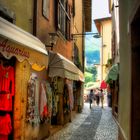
(135, 90)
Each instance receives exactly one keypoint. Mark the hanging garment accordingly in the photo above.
(71, 98)
(36, 109)
(32, 114)
(5, 125)
(3, 137)
(6, 102)
(43, 102)
(49, 98)
(66, 102)
(7, 79)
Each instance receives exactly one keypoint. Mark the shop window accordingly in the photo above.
(7, 14)
(63, 18)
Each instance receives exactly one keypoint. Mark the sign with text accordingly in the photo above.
(9, 49)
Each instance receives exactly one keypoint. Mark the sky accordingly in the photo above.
(99, 10)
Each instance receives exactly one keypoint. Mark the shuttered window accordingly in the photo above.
(64, 20)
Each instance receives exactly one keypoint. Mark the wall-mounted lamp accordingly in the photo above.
(83, 34)
(53, 40)
(97, 36)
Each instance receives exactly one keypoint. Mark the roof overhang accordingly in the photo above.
(98, 23)
(87, 13)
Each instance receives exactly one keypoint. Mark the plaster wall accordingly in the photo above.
(106, 44)
(124, 117)
(22, 9)
(48, 25)
(78, 26)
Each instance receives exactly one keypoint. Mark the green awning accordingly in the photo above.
(113, 73)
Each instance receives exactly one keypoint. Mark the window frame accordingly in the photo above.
(64, 18)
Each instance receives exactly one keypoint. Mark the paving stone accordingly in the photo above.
(92, 124)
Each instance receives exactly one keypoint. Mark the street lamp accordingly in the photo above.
(53, 40)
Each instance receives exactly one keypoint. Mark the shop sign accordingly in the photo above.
(11, 49)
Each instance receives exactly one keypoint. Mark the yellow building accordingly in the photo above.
(104, 26)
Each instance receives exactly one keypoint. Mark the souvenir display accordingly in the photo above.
(7, 91)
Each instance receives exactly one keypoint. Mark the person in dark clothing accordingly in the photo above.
(97, 98)
(91, 97)
(109, 99)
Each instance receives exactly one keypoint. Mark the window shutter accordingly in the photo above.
(68, 23)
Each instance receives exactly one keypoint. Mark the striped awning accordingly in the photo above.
(59, 66)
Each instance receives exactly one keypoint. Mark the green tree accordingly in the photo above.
(93, 71)
(88, 77)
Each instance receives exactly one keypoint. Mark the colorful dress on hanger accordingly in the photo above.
(32, 114)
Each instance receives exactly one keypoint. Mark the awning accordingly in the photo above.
(113, 73)
(16, 42)
(81, 76)
(62, 67)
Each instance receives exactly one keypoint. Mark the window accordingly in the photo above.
(46, 8)
(63, 15)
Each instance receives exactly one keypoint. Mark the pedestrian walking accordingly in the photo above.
(97, 97)
(102, 98)
(109, 99)
(91, 97)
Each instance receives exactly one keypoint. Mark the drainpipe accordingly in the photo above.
(35, 18)
(83, 38)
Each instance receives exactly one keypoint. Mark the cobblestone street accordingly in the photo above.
(92, 124)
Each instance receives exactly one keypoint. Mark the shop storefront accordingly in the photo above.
(23, 75)
(63, 73)
(113, 88)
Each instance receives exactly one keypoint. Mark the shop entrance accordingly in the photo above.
(135, 48)
(7, 91)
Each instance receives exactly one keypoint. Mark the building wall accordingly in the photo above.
(22, 9)
(107, 30)
(78, 27)
(45, 26)
(124, 117)
(115, 30)
(22, 73)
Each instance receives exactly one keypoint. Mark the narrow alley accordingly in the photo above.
(92, 124)
(56, 56)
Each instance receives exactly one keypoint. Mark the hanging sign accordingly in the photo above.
(9, 49)
(5, 47)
